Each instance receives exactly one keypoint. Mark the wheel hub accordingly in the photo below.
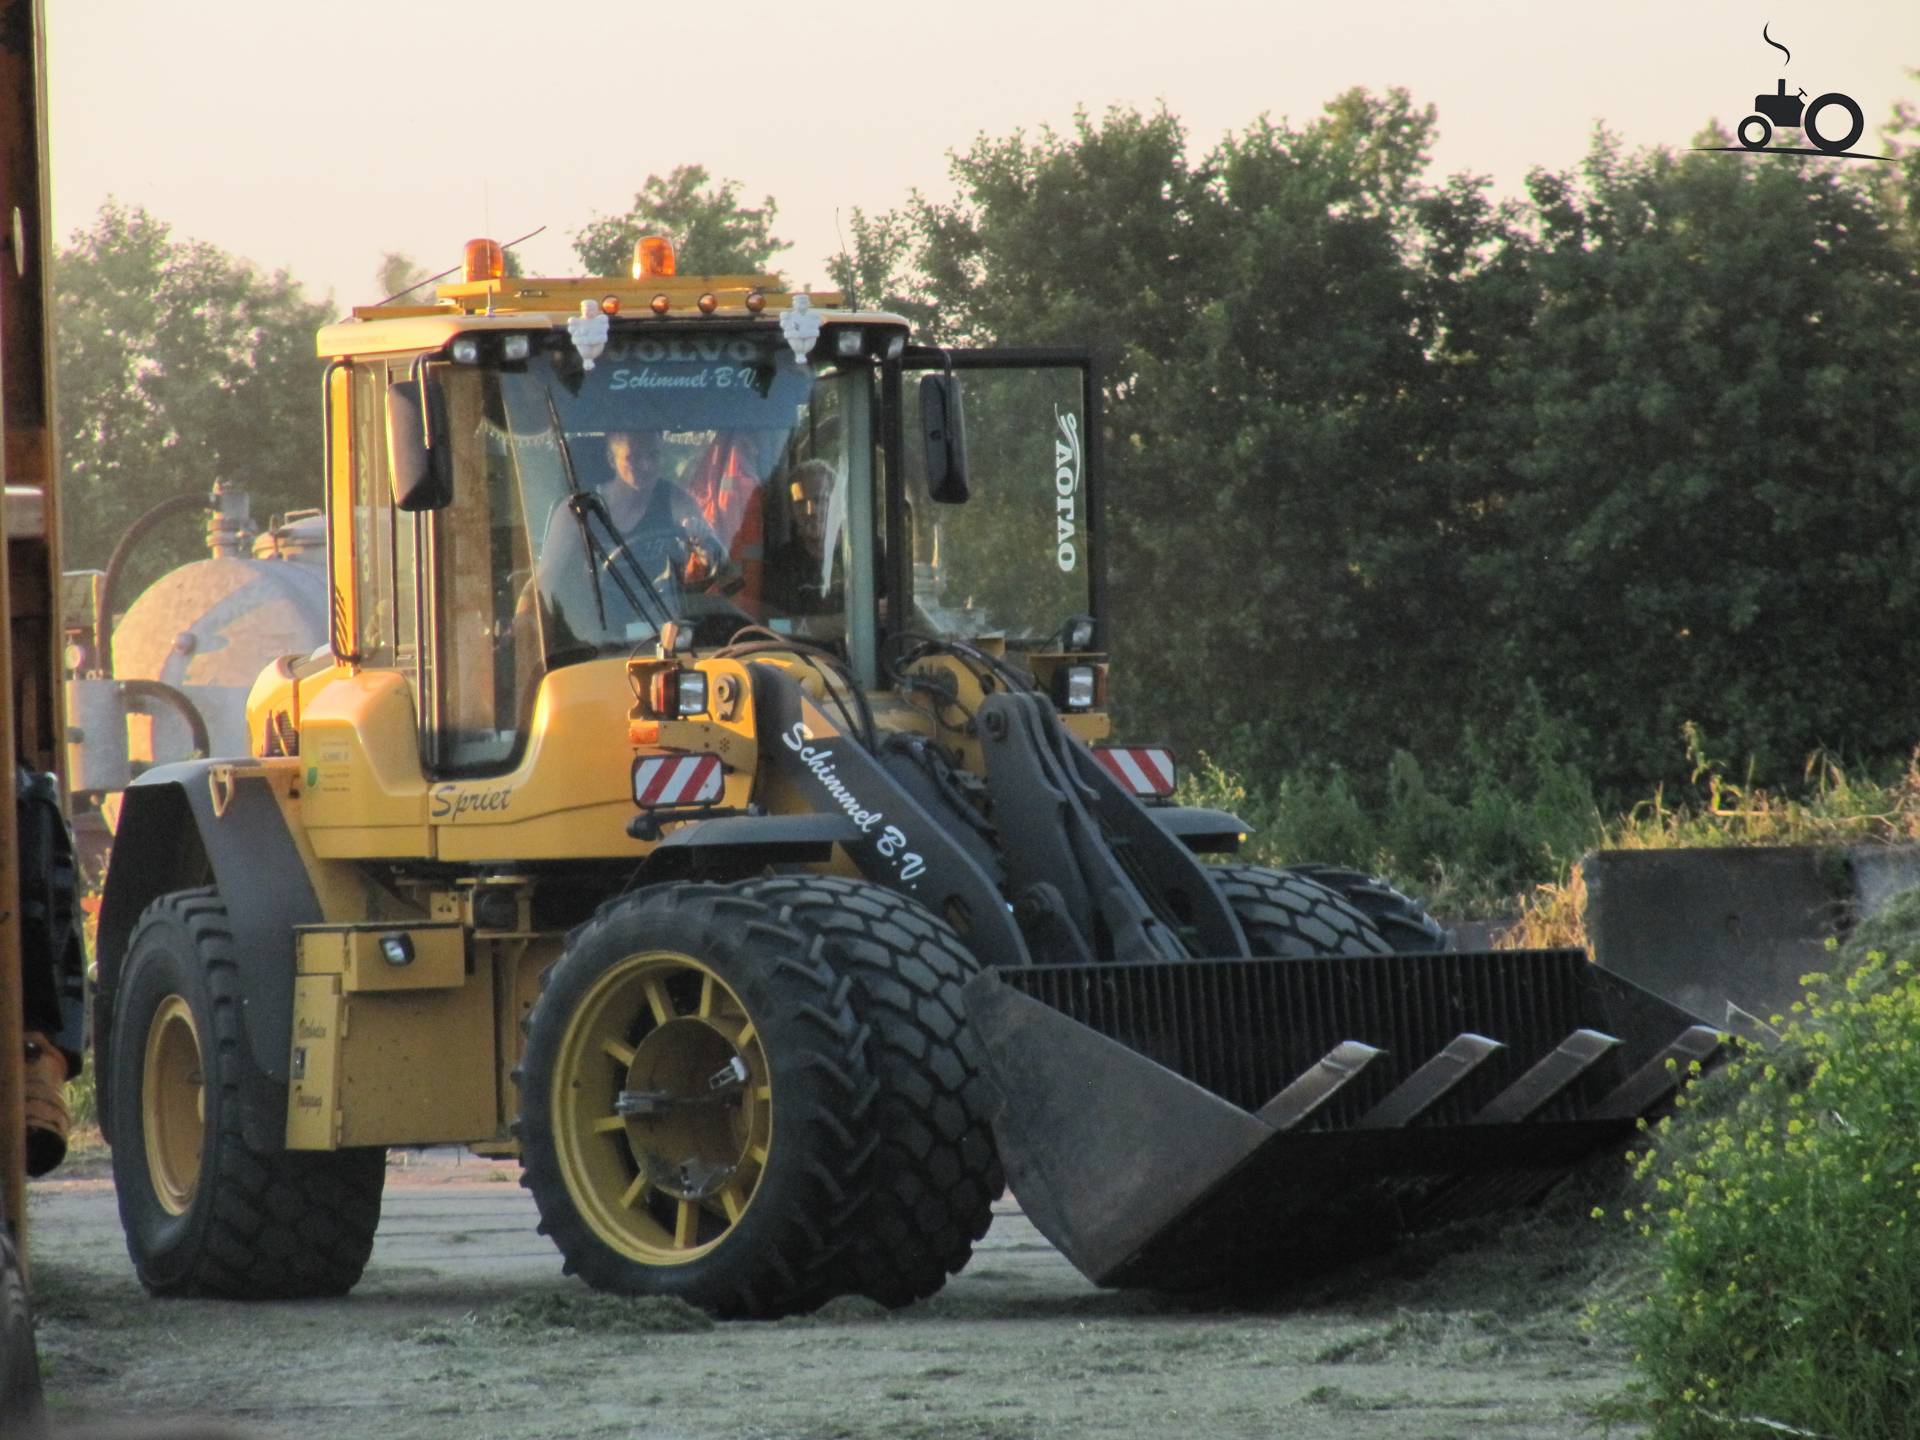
(173, 1104)
(663, 1108)
(683, 1108)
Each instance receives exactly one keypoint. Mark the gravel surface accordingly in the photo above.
(464, 1327)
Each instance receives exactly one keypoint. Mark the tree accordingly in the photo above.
(1704, 501)
(712, 233)
(1264, 320)
(178, 365)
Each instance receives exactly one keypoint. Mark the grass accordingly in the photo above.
(1501, 837)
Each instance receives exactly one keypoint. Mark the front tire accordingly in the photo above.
(937, 1172)
(205, 1214)
(694, 1104)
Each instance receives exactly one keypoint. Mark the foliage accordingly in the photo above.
(1781, 1202)
(1515, 814)
(1635, 442)
(178, 365)
(1701, 454)
(712, 232)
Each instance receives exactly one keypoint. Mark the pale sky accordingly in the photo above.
(314, 138)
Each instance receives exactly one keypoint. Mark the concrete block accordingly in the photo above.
(1708, 927)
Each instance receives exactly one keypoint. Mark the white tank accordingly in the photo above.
(208, 629)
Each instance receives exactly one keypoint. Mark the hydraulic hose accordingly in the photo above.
(182, 706)
(117, 562)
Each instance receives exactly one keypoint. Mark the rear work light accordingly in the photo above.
(1145, 770)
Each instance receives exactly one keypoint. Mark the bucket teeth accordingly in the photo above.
(1660, 1076)
(1429, 1085)
(1318, 1085)
(1538, 1088)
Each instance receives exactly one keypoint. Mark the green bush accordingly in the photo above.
(1513, 812)
(1783, 1206)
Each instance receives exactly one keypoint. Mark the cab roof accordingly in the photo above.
(523, 302)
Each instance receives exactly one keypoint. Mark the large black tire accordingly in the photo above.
(1290, 916)
(646, 1183)
(22, 1411)
(205, 1214)
(1402, 920)
(937, 1172)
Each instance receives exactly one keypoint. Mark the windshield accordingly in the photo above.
(699, 477)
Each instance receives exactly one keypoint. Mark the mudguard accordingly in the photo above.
(1205, 832)
(741, 845)
(180, 827)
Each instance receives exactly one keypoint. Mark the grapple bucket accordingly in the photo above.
(1189, 1124)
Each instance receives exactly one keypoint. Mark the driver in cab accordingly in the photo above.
(659, 525)
(637, 518)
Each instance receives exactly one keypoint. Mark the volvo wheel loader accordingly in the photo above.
(706, 797)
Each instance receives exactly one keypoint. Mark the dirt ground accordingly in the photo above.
(464, 1327)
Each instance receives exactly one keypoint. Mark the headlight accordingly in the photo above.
(691, 693)
(1080, 687)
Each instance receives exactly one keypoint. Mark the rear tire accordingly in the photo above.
(204, 1213)
(1399, 918)
(937, 1172)
(22, 1411)
(1286, 915)
(695, 1109)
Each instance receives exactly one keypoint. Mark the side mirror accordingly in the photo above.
(421, 471)
(945, 430)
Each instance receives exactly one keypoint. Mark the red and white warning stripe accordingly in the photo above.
(1143, 769)
(661, 780)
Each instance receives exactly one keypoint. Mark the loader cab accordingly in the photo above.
(513, 493)
(708, 477)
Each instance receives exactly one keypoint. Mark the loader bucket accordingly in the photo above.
(1244, 1122)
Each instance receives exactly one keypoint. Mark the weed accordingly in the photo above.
(1782, 1202)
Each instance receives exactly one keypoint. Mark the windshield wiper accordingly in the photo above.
(583, 502)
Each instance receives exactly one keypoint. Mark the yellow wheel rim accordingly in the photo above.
(173, 1104)
(662, 1108)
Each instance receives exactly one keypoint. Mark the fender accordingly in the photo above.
(737, 846)
(1205, 832)
(172, 837)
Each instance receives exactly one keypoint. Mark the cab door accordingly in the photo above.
(1025, 552)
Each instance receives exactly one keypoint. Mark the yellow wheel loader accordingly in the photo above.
(706, 797)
